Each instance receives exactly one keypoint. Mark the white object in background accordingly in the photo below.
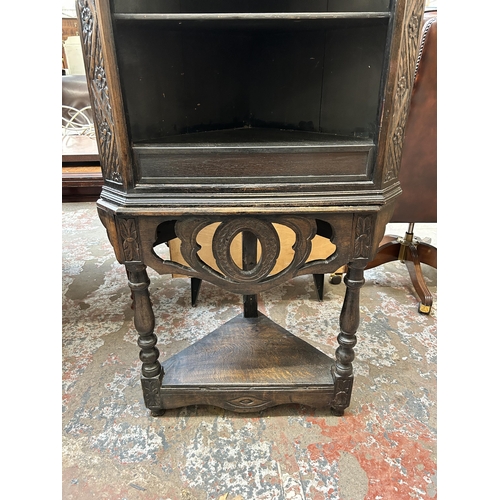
(74, 55)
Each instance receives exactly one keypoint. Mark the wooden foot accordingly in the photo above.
(157, 413)
(412, 262)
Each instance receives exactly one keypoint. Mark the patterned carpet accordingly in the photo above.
(384, 447)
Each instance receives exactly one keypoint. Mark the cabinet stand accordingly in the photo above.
(248, 364)
(252, 120)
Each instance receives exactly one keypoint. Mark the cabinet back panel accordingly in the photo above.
(178, 82)
(354, 61)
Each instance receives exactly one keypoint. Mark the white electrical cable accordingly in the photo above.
(72, 128)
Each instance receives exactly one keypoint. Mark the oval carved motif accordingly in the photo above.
(229, 275)
(263, 231)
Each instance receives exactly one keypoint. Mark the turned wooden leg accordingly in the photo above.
(132, 305)
(152, 371)
(349, 322)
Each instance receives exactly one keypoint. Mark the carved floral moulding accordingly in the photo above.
(130, 245)
(404, 84)
(95, 68)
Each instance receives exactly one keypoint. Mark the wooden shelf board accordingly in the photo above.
(248, 16)
(256, 137)
(249, 353)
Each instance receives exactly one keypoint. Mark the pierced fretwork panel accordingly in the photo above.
(212, 248)
(322, 248)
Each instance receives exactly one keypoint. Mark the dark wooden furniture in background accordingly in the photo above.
(246, 116)
(81, 168)
(418, 174)
(81, 182)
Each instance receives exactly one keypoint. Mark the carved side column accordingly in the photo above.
(349, 322)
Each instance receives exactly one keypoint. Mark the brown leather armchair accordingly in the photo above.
(418, 174)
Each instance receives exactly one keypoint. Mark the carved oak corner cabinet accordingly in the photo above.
(251, 119)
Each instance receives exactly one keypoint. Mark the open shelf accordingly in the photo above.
(247, 6)
(253, 351)
(284, 21)
(178, 82)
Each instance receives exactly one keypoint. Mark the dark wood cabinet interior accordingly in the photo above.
(284, 83)
(246, 115)
(281, 76)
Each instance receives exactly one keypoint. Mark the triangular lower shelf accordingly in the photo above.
(245, 365)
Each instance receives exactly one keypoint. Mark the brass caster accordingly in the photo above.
(422, 308)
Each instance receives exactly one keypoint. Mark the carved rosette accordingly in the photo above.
(151, 390)
(129, 237)
(404, 84)
(342, 391)
(99, 92)
(363, 237)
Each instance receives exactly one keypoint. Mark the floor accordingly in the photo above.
(384, 447)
